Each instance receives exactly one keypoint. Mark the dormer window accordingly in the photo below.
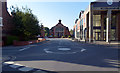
(1, 21)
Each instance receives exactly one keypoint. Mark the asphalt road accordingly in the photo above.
(65, 55)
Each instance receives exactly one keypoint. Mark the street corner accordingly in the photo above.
(24, 69)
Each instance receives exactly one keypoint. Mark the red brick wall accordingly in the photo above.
(22, 43)
(42, 33)
(66, 31)
(7, 20)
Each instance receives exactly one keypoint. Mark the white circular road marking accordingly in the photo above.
(64, 49)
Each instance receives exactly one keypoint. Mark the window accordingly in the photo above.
(113, 25)
(0, 21)
(113, 34)
(76, 27)
(78, 34)
(81, 29)
(96, 20)
(59, 29)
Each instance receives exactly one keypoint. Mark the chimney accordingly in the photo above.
(59, 21)
(4, 6)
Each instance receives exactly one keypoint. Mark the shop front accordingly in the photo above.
(103, 22)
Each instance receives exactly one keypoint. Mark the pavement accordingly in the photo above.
(62, 55)
(5, 58)
(112, 43)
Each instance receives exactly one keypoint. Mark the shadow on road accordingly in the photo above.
(95, 56)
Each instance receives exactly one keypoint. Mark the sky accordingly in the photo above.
(49, 13)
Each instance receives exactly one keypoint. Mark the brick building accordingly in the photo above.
(59, 30)
(99, 22)
(5, 20)
(42, 35)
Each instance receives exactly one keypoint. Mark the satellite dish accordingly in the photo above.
(109, 2)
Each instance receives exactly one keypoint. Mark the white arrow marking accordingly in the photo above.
(46, 50)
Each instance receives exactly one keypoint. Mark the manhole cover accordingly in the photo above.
(64, 49)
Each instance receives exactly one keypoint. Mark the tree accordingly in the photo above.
(71, 32)
(42, 31)
(46, 31)
(25, 23)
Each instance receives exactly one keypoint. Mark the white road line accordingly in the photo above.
(48, 52)
(25, 69)
(64, 53)
(82, 50)
(24, 48)
(64, 49)
(18, 64)
(6, 63)
(14, 66)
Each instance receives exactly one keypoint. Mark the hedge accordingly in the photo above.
(10, 39)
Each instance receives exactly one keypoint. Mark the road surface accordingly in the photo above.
(58, 55)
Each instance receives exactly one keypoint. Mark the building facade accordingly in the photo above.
(59, 30)
(1, 20)
(6, 20)
(6, 24)
(99, 22)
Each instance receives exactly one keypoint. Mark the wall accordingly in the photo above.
(7, 20)
(1, 43)
(0, 9)
(66, 30)
(118, 26)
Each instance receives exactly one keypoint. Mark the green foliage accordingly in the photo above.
(10, 39)
(66, 36)
(63, 36)
(26, 24)
(46, 31)
(54, 36)
(69, 36)
(71, 32)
